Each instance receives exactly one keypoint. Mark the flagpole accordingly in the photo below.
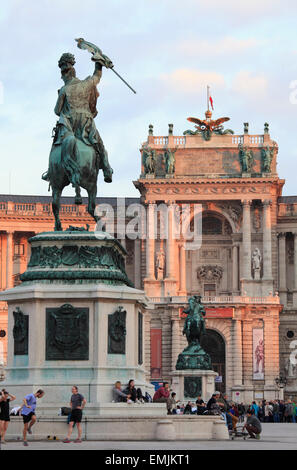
(207, 97)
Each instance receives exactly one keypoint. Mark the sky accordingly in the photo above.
(169, 51)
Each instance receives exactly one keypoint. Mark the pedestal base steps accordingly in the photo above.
(127, 428)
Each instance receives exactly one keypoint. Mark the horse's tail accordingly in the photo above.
(69, 157)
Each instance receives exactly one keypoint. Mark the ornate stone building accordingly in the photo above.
(244, 266)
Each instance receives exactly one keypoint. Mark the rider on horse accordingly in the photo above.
(76, 108)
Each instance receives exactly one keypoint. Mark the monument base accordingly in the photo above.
(119, 428)
(188, 384)
(97, 367)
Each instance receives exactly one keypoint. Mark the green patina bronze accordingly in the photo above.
(20, 332)
(117, 332)
(149, 160)
(193, 356)
(246, 158)
(78, 151)
(76, 258)
(192, 387)
(267, 156)
(67, 333)
(169, 157)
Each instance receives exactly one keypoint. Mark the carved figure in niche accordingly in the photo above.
(290, 368)
(256, 263)
(160, 264)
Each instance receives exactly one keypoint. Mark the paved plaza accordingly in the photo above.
(274, 437)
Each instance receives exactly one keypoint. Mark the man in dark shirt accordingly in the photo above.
(77, 404)
(253, 425)
(201, 407)
(213, 406)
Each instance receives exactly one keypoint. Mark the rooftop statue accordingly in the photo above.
(206, 127)
(246, 158)
(78, 152)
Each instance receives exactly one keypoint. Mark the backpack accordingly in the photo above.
(148, 398)
(65, 411)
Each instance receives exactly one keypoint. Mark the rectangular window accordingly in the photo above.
(19, 249)
(209, 290)
(156, 353)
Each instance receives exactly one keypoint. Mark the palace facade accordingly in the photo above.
(245, 265)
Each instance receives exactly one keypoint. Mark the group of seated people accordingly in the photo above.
(217, 404)
(129, 395)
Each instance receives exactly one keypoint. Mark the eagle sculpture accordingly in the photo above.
(207, 126)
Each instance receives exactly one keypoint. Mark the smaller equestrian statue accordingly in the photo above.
(193, 356)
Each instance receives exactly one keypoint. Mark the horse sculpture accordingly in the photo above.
(194, 356)
(77, 152)
(194, 326)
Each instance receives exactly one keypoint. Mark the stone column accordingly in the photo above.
(170, 283)
(175, 341)
(235, 260)
(9, 260)
(295, 270)
(182, 267)
(282, 267)
(150, 242)
(246, 240)
(170, 243)
(137, 263)
(267, 265)
(237, 352)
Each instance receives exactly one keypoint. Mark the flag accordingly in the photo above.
(211, 102)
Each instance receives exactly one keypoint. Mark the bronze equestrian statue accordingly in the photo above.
(193, 356)
(78, 153)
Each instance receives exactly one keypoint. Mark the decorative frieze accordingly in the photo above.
(210, 273)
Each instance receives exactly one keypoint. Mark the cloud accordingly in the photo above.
(223, 46)
(244, 83)
(192, 81)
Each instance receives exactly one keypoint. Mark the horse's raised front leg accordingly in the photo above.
(56, 208)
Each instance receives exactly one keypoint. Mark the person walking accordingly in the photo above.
(5, 399)
(77, 404)
(28, 413)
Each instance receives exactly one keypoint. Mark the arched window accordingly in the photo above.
(211, 226)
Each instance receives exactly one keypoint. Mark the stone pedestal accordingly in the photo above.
(75, 320)
(188, 384)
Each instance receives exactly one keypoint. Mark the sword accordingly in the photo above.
(100, 57)
(123, 80)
